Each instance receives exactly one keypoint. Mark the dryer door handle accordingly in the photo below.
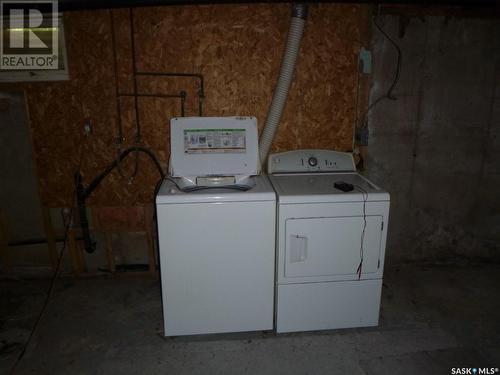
(298, 248)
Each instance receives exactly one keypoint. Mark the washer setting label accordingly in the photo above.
(208, 141)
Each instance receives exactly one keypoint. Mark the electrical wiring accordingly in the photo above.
(57, 270)
(395, 81)
(389, 94)
(68, 225)
(47, 297)
(361, 249)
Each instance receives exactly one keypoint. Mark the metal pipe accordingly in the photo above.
(183, 102)
(201, 91)
(120, 138)
(181, 95)
(134, 70)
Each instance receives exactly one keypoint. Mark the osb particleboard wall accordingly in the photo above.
(237, 48)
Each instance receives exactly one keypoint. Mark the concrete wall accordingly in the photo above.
(437, 147)
(18, 188)
(19, 199)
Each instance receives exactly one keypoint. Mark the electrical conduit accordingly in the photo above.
(299, 16)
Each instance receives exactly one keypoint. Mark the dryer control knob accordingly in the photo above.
(312, 161)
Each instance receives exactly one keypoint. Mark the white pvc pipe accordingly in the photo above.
(284, 80)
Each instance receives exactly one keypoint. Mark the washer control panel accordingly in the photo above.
(310, 161)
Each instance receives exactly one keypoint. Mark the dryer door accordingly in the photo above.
(332, 246)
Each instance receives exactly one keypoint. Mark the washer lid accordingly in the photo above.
(262, 190)
(319, 188)
(214, 146)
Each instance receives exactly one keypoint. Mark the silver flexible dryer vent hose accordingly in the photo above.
(299, 16)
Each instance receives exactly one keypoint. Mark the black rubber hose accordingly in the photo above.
(97, 181)
(82, 192)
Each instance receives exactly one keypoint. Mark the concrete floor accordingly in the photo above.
(433, 318)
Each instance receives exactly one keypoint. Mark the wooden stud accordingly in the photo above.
(109, 252)
(51, 236)
(73, 251)
(5, 261)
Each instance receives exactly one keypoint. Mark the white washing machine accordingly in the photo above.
(330, 242)
(216, 224)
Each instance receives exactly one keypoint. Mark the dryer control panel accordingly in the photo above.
(303, 161)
